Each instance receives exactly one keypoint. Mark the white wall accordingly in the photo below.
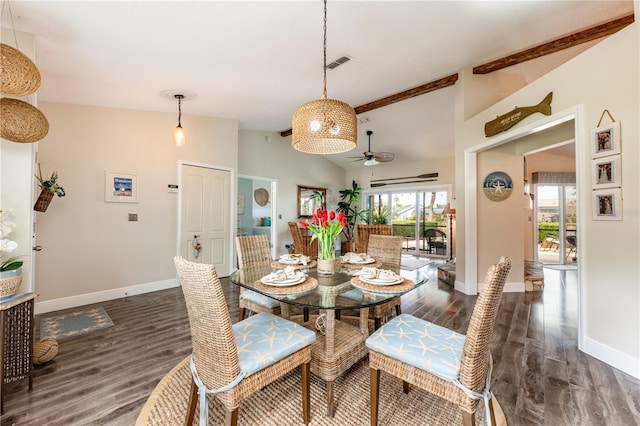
(90, 249)
(278, 160)
(16, 176)
(605, 76)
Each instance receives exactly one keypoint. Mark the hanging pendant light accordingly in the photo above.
(324, 126)
(179, 135)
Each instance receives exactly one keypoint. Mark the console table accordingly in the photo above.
(16, 340)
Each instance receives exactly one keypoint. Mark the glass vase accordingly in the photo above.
(326, 257)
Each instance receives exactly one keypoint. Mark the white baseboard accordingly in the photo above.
(101, 296)
(620, 360)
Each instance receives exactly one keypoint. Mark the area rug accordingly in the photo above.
(412, 262)
(74, 324)
(280, 403)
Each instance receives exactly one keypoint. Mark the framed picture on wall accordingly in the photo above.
(240, 202)
(120, 188)
(605, 172)
(607, 204)
(605, 140)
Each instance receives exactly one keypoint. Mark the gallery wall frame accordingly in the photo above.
(606, 172)
(605, 140)
(120, 187)
(607, 204)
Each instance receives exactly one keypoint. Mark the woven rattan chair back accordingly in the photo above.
(385, 248)
(214, 349)
(252, 250)
(363, 232)
(475, 356)
(303, 245)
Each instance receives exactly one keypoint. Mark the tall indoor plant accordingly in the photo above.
(348, 205)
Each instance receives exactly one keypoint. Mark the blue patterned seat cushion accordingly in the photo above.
(260, 299)
(264, 338)
(420, 344)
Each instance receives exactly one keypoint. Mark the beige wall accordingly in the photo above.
(609, 273)
(278, 160)
(89, 246)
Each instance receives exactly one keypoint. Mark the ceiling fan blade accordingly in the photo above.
(383, 157)
(359, 159)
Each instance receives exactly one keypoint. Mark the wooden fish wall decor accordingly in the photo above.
(510, 119)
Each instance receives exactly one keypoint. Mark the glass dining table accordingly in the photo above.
(340, 341)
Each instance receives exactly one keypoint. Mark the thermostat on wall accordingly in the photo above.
(172, 188)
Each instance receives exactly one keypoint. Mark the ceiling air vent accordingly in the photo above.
(338, 62)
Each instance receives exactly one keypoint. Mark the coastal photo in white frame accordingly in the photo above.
(120, 188)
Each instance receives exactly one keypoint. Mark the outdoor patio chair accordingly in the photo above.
(452, 366)
(233, 362)
(254, 250)
(436, 241)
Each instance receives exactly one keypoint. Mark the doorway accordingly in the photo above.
(256, 209)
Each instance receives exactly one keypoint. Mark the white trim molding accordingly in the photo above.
(101, 296)
(620, 360)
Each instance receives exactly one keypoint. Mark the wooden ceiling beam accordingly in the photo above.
(400, 96)
(562, 43)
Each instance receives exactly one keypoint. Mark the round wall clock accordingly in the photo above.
(497, 186)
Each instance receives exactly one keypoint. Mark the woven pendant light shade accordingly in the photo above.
(18, 74)
(21, 122)
(324, 126)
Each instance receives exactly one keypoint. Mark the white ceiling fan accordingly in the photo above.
(372, 158)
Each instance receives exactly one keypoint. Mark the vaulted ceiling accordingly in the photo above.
(257, 61)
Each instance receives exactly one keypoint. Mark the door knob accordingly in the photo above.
(37, 248)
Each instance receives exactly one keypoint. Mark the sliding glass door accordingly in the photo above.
(415, 215)
(556, 223)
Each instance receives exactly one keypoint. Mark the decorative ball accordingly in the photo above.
(45, 350)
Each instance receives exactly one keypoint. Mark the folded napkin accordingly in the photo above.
(298, 258)
(280, 275)
(354, 257)
(379, 274)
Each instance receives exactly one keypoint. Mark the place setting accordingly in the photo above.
(286, 281)
(298, 261)
(358, 260)
(381, 281)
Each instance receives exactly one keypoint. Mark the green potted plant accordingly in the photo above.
(348, 205)
(49, 188)
(10, 268)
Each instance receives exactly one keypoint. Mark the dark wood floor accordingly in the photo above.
(539, 378)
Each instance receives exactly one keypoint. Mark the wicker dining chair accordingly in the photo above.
(254, 250)
(388, 250)
(302, 244)
(452, 366)
(233, 362)
(363, 231)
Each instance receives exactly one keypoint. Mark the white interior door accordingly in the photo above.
(205, 215)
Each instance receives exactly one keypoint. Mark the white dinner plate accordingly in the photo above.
(300, 277)
(289, 261)
(376, 281)
(364, 262)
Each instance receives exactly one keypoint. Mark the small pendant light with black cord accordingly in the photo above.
(179, 135)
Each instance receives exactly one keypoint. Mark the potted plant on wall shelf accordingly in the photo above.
(348, 205)
(10, 269)
(49, 188)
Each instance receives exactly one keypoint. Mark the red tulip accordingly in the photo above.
(332, 215)
(304, 224)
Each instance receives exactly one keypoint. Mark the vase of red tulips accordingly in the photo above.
(325, 226)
